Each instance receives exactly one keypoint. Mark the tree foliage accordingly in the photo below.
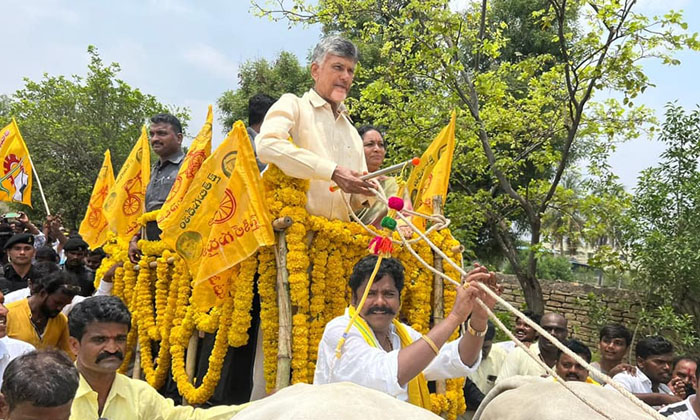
(665, 217)
(523, 122)
(68, 123)
(284, 75)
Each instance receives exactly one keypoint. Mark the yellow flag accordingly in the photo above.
(223, 218)
(16, 179)
(94, 227)
(199, 150)
(432, 176)
(127, 198)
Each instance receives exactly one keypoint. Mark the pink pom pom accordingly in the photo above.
(395, 203)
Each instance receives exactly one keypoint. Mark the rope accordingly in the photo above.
(539, 361)
(607, 379)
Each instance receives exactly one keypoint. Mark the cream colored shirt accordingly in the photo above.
(485, 376)
(322, 141)
(518, 362)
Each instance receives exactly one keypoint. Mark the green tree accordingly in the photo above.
(665, 218)
(68, 123)
(523, 122)
(284, 75)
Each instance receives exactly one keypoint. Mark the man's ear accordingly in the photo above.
(640, 362)
(179, 138)
(4, 407)
(314, 71)
(74, 345)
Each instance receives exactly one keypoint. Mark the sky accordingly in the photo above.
(187, 53)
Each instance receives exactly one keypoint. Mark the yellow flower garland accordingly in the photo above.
(200, 394)
(269, 313)
(319, 256)
(151, 216)
(242, 302)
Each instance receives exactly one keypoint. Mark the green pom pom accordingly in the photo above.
(389, 223)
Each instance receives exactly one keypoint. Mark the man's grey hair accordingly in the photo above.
(44, 378)
(335, 45)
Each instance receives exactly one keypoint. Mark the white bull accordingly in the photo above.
(338, 401)
(530, 398)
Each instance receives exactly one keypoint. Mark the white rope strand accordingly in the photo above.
(539, 361)
(607, 379)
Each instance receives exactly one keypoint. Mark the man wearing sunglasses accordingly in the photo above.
(519, 362)
(38, 320)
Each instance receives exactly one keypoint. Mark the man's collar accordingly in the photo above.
(643, 377)
(83, 387)
(317, 101)
(175, 158)
(117, 387)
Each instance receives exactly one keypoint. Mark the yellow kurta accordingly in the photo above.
(19, 326)
(136, 400)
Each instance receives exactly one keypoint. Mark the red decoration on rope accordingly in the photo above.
(395, 203)
(381, 245)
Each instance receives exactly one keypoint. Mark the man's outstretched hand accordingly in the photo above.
(349, 181)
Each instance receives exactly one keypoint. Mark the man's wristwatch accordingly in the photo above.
(474, 332)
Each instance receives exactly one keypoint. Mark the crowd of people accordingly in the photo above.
(62, 340)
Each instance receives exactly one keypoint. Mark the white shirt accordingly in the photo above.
(322, 141)
(506, 346)
(681, 410)
(519, 362)
(9, 350)
(105, 289)
(18, 294)
(638, 383)
(376, 368)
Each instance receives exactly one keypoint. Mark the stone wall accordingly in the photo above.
(617, 305)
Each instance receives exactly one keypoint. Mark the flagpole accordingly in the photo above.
(41, 190)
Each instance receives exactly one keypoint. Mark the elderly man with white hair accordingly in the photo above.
(325, 145)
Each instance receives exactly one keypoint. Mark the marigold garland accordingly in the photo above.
(208, 322)
(242, 302)
(319, 256)
(179, 341)
(269, 313)
(150, 216)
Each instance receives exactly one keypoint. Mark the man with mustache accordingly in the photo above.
(98, 330)
(519, 362)
(654, 358)
(683, 376)
(165, 134)
(37, 319)
(382, 353)
(568, 368)
(324, 146)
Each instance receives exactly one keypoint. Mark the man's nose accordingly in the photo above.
(111, 346)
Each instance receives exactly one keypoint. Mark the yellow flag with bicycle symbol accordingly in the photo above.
(95, 226)
(223, 218)
(16, 178)
(125, 202)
